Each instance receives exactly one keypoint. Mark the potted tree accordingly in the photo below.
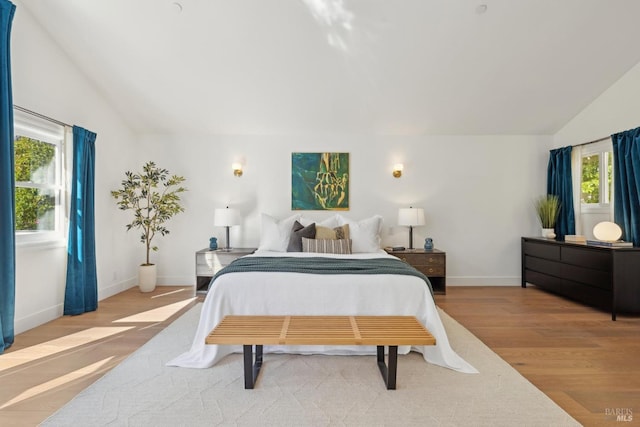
(548, 208)
(154, 197)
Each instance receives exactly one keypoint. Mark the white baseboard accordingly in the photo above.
(483, 281)
(116, 288)
(37, 319)
(51, 313)
(176, 280)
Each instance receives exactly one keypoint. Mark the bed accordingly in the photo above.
(301, 293)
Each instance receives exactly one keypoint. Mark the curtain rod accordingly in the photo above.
(592, 142)
(42, 116)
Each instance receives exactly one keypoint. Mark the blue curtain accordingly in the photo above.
(81, 292)
(7, 184)
(626, 167)
(559, 184)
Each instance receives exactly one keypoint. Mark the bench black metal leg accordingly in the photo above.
(388, 374)
(251, 369)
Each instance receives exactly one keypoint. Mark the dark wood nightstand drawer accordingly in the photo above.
(437, 271)
(423, 259)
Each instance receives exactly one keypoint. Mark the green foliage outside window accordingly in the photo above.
(590, 184)
(591, 179)
(32, 159)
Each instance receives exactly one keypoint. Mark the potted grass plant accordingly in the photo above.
(548, 208)
(154, 197)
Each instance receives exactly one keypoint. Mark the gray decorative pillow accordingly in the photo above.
(297, 233)
(326, 246)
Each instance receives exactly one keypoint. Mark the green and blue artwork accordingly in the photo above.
(320, 181)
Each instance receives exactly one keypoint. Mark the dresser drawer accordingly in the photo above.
(541, 265)
(542, 250)
(596, 278)
(593, 259)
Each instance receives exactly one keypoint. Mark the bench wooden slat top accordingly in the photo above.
(321, 330)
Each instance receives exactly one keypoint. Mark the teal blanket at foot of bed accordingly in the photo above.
(320, 265)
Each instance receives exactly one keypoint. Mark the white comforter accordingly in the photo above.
(276, 293)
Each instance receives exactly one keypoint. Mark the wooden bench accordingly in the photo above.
(380, 331)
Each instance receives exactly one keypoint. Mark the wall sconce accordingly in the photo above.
(237, 169)
(397, 170)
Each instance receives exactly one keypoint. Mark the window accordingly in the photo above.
(39, 171)
(596, 175)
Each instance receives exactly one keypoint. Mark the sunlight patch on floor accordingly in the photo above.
(57, 382)
(157, 314)
(170, 293)
(39, 351)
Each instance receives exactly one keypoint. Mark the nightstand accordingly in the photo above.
(209, 262)
(432, 264)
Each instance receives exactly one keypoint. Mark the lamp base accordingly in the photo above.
(228, 248)
(410, 237)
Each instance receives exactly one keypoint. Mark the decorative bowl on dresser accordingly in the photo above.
(599, 276)
(209, 262)
(432, 263)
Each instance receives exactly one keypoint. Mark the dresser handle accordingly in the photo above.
(431, 270)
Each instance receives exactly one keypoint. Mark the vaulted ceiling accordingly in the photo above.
(407, 67)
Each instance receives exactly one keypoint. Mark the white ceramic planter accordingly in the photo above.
(147, 275)
(548, 233)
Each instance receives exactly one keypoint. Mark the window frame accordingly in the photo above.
(604, 149)
(41, 129)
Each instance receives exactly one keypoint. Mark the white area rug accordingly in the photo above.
(296, 390)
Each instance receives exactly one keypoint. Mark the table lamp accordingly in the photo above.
(226, 218)
(411, 217)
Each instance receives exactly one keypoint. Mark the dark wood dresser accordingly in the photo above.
(603, 277)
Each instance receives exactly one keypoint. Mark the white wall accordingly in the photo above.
(614, 111)
(45, 81)
(477, 192)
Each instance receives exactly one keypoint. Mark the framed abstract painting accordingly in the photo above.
(320, 181)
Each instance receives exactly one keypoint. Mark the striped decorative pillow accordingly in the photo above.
(326, 246)
(341, 232)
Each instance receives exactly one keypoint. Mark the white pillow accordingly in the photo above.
(331, 222)
(365, 234)
(274, 234)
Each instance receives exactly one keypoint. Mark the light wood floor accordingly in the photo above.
(576, 355)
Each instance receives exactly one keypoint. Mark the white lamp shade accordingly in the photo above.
(411, 216)
(607, 231)
(226, 217)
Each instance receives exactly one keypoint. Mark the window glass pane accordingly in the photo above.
(35, 161)
(590, 184)
(39, 193)
(35, 209)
